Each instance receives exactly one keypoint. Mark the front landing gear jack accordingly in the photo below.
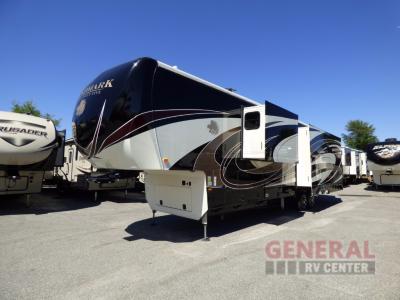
(154, 218)
(204, 222)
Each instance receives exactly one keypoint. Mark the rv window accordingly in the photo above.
(252, 120)
(70, 157)
(348, 159)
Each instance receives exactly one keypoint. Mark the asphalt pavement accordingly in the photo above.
(70, 247)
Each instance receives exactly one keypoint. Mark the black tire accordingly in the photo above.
(60, 187)
(302, 202)
(311, 202)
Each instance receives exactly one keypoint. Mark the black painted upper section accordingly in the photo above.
(129, 95)
(385, 153)
(136, 87)
(174, 91)
(272, 109)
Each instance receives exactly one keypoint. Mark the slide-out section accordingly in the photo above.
(303, 169)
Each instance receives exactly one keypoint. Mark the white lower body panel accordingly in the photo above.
(382, 178)
(181, 193)
(136, 153)
(385, 175)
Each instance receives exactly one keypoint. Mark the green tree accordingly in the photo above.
(28, 107)
(360, 134)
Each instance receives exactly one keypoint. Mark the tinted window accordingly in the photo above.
(348, 158)
(252, 120)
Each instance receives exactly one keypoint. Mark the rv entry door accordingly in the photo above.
(253, 132)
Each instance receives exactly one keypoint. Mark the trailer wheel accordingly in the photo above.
(311, 201)
(302, 201)
(60, 187)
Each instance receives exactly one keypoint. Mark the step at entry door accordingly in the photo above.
(253, 132)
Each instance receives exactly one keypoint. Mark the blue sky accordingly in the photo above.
(327, 61)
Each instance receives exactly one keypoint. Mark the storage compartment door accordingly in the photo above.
(390, 179)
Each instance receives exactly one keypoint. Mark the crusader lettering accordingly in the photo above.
(16, 130)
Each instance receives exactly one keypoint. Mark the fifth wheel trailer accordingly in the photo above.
(384, 162)
(78, 173)
(29, 146)
(204, 149)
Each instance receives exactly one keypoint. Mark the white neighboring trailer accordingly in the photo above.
(349, 164)
(28, 148)
(384, 162)
(78, 173)
(354, 165)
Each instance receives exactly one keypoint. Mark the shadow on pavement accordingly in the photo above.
(50, 201)
(179, 230)
(324, 202)
(383, 189)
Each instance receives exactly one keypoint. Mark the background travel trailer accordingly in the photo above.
(354, 165)
(78, 173)
(29, 146)
(384, 162)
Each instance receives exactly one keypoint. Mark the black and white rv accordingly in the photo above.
(384, 162)
(29, 146)
(204, 149)
(77, 173)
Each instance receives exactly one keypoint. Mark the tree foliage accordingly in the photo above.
(28, 107)
(360, 134)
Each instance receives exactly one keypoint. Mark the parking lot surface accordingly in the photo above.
(70, 247)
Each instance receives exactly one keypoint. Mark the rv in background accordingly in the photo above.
(29, 146)
(354, 165)
(384, 162)
(79, 174)
(204, 149)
